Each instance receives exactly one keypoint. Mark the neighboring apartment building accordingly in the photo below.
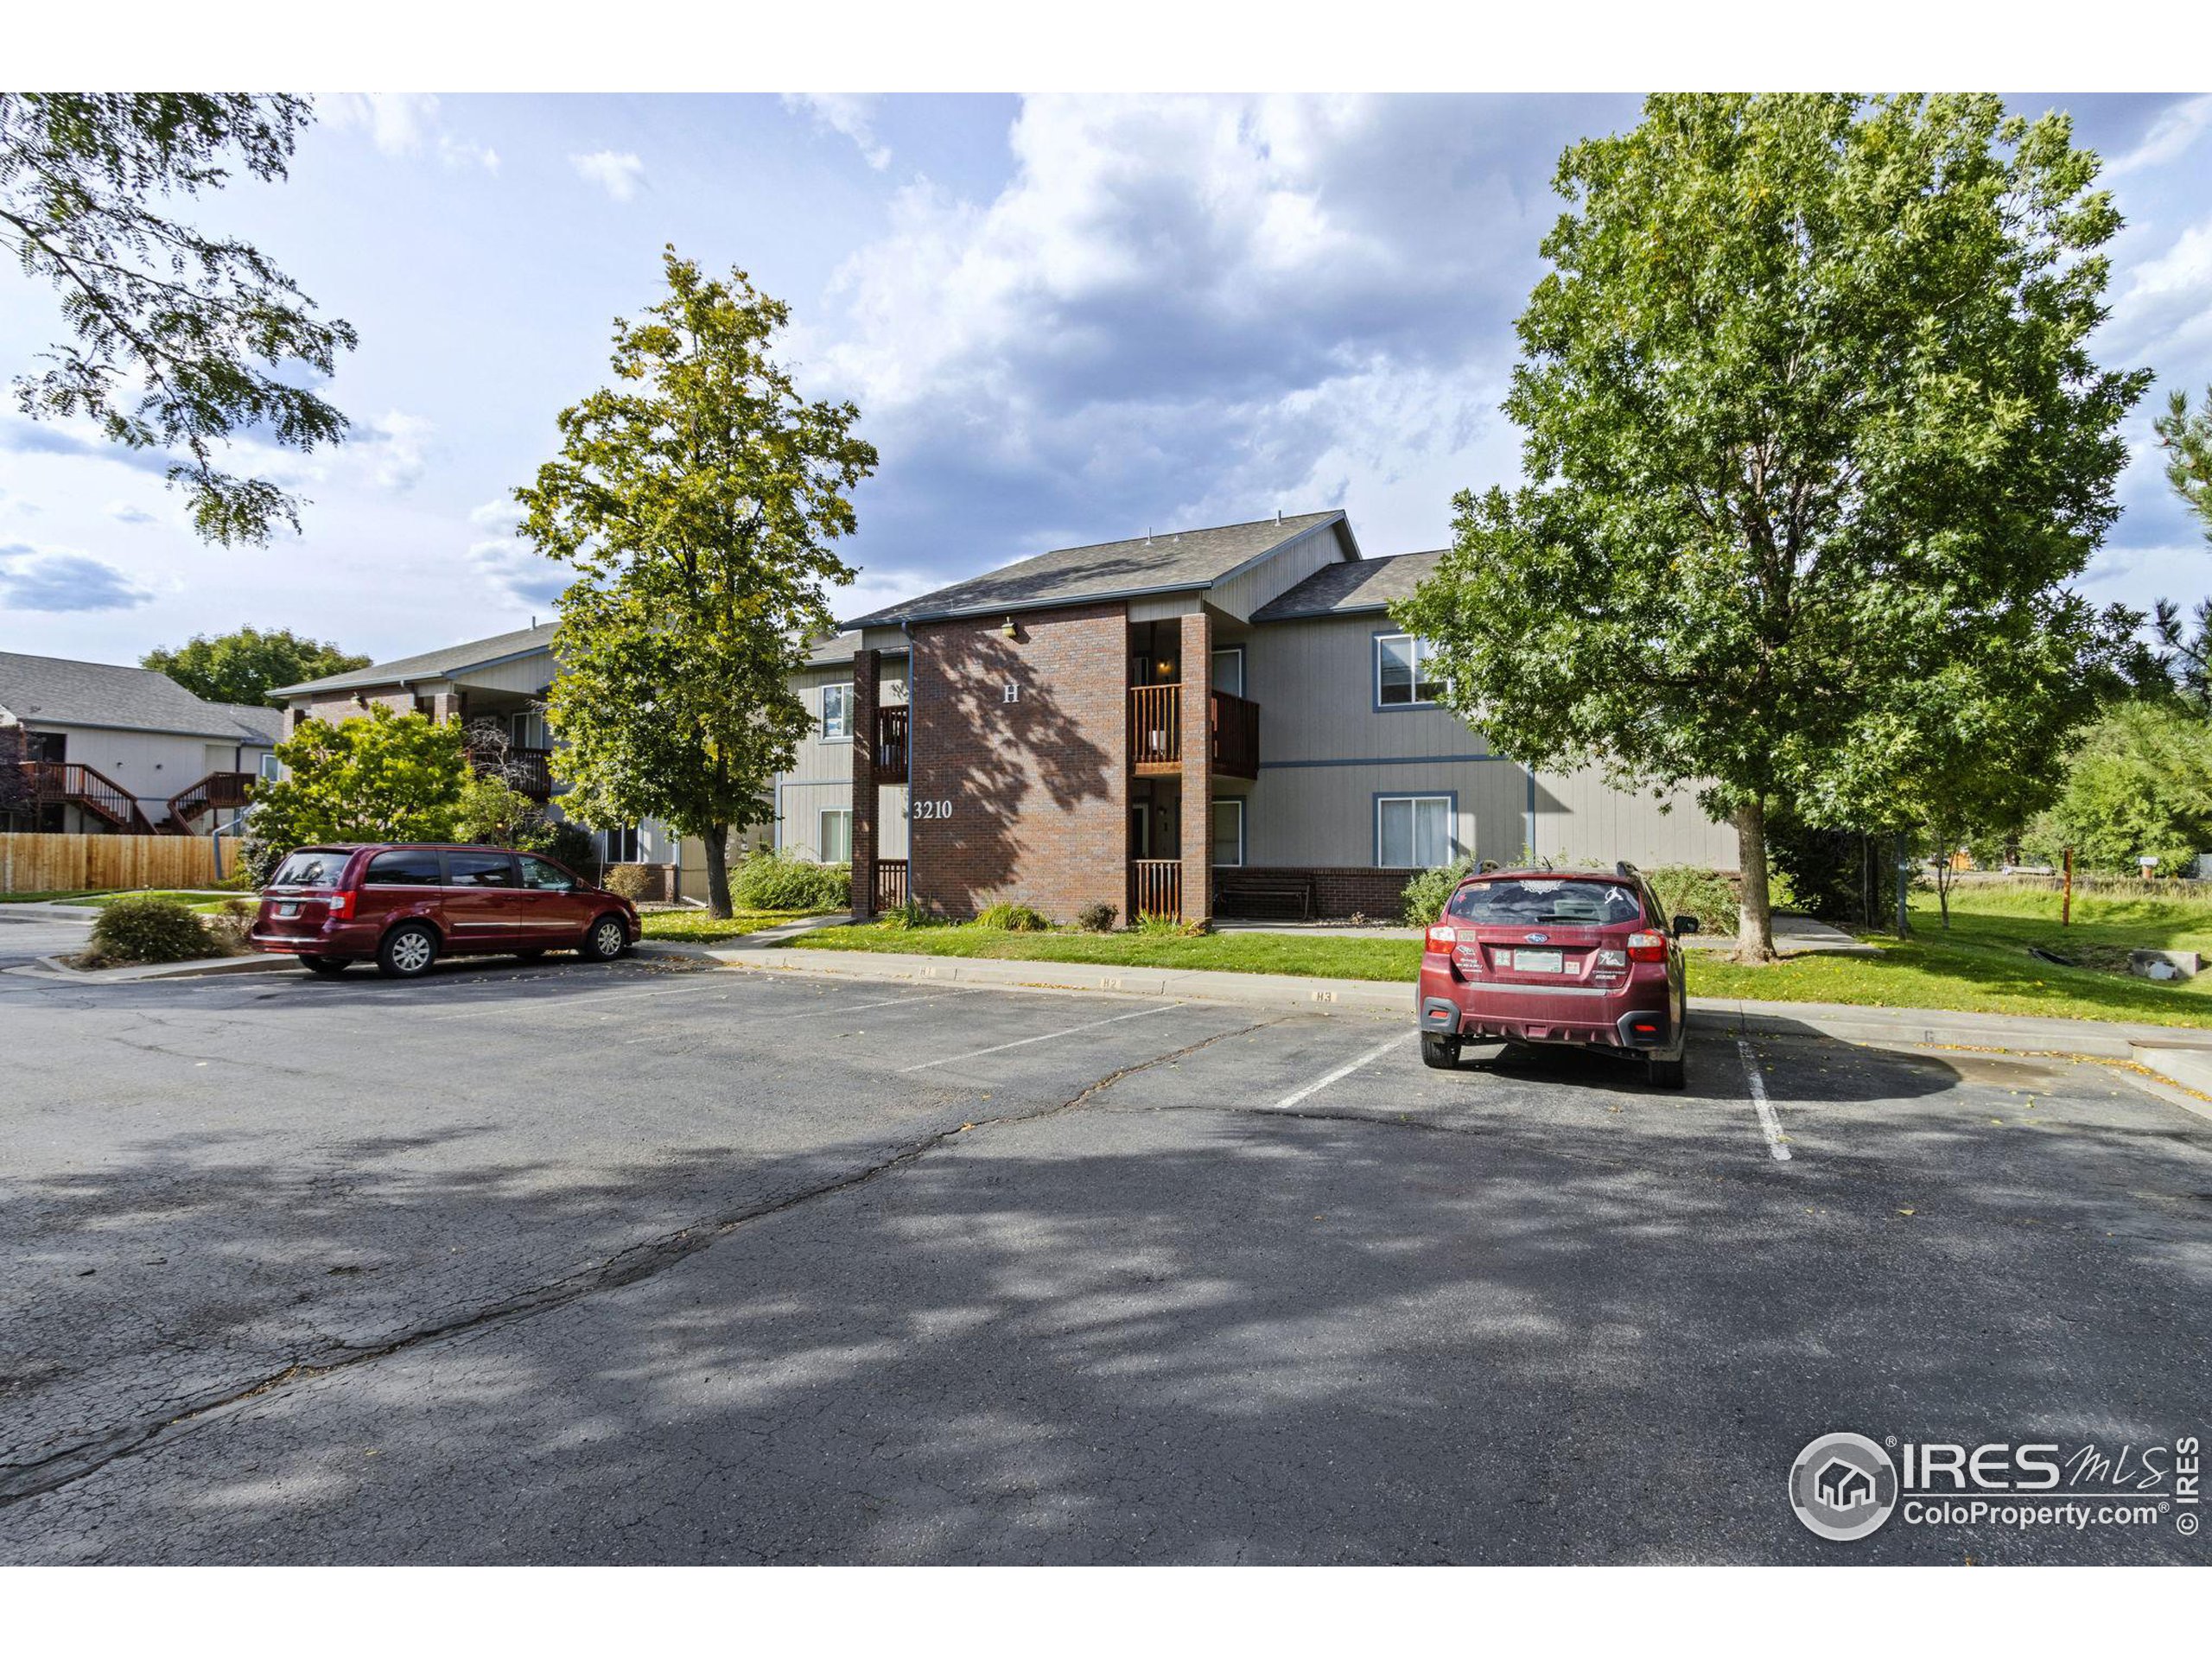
(1210, 722)
(498, 684)
(125, 751)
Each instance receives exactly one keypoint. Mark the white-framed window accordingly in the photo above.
(622, 846)
(834, 844)
(1228, 836)
(1412, 832)
(1228, 669)
(1406, 674)
(837, 713)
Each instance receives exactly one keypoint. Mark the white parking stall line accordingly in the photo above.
(1341, 1072)
(1045, 1037)
(823, 1014)
(1769, 1125)
(508, 1006)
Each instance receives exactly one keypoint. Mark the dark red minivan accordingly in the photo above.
(1556, 956)
(402, 906)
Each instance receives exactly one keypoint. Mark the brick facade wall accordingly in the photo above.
(1038, 788)
(337, 706)
(1337, 892)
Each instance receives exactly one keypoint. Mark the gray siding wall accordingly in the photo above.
(1326, 753)
(1242, 594)
(821, 779)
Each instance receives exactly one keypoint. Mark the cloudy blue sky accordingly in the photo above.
(1065, 320)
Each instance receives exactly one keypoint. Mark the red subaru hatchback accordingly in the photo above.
(403, 906)
(1578, 959)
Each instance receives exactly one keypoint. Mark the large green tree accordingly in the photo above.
(182, 339)
(698, 500)
(2140, 786)
(382, 777)
(245, 665)
(1813, 443)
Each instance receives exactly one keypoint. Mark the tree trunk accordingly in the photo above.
(1755, 926)
(716, 841)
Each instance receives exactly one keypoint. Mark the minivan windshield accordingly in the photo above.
(314, 868)
(1562, 902)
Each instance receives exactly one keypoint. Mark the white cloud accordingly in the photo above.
(35, 579)
(617, 172)
(518, 572)
(406, 123)
(123, 513)
(500, 515)
(2171, 136)
(849, 113)
(398, 448)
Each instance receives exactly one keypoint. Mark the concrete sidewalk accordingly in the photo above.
(1292, 993)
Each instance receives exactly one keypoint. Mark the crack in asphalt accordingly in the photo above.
(20, 1482)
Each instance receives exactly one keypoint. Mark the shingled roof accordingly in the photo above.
(1348, 590)
(1170, 562)
(434, 664)
(59, 691)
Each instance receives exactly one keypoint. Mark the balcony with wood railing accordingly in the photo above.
(890, 884)
(1156, 732)
(890, 745)
(218, 792)
(529, 770)
(67, 782)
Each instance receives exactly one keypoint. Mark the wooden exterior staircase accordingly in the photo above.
(69, 782)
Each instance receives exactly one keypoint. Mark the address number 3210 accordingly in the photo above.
(931, 809)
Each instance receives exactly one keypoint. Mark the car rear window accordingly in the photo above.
(409, 867)
(315, 868)
(1562, 902)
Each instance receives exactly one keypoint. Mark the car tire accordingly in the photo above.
(1439, 1053)
(408, 951)
(1665, 1074)
(328, 967)
(605, 938)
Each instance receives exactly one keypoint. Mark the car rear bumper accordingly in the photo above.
(1636, 1016)
(316, 939)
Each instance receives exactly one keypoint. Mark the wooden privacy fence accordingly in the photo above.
(31, 863)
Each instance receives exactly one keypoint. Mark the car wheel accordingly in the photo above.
(328, 967)
(1439, 1053)
(607, 940)
(407, 952)
(1664, 1074)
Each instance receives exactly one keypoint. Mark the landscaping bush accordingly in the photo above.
(907, 915)
(1096, 918)
(1171, 927)
(627, 880)
(770, 880)
(1687, 890)
(144, 928)
(569, 845)
(228, 930)
(1014, 919)
(1425, 892)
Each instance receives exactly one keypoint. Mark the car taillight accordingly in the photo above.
(1647, 947)
(1442, 938)
(341, 906)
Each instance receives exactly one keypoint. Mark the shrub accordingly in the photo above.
(771, 881)
(1687, 890)
(568, 844)
(228, 930)
(907, 915)
(1014, 919)
(1171, 927)
(627, 880)
(1096, 918)
(1425, 892)
(147, 928)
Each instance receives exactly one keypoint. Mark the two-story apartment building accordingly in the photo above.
(1199, 722)
(112, 750)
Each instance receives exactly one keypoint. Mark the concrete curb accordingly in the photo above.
(43, 912)
(1916, 1028)
(205, 968)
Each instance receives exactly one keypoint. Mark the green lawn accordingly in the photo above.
(207, 904)
(1311, 954)
(696, 927)
(1980, 964)
(59, 895)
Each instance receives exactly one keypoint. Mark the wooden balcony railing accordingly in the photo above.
(1236, 735)
(1155, 727)
(1156, 732)
(890, 884)
(1155, 888)
(69, 784)
(529, 771)
(890, 745)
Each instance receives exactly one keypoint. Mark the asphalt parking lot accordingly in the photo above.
(660, 1262)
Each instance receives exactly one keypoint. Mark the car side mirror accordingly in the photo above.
(1685, 924)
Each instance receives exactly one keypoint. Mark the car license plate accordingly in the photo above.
(288, 909)
(1540, 962)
